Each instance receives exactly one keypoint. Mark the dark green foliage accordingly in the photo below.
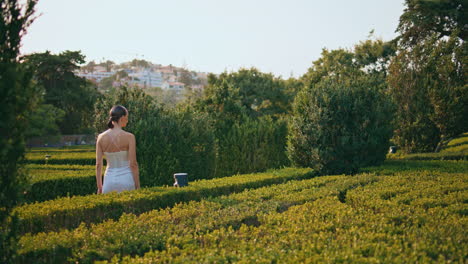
(370, 56)
(62, 187)
(250, 90)
(428, 76)
(137, 102)
(246, 109)
(52, 181)
(424, 18)
(339, 126)
(428, 84)
(255, 145)
(63, 89)
(172, 142)
(43, 121)
(17, 98)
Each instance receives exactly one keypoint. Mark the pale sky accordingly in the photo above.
(278, 36)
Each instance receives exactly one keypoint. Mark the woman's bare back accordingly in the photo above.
(113, 140)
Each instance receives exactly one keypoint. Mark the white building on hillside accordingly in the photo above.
(95, 76)
(173, 86)
(147, 78)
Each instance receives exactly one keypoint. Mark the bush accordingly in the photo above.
(52, 181)
(338, 126)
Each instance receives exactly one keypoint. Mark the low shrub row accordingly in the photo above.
(62, 157)
(417, 217)
(431, 156)
(81, 148)
(393, 166)
(52, 181)
(458, 144)
(70, 212)
(135, 235)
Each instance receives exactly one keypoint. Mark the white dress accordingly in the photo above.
(118, 176)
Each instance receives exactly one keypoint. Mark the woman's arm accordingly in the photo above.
(99, 155)
(133, 161)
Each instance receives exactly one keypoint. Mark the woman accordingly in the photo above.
(120, 150)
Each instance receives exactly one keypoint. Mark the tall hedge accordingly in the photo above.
(338, 126)
(252, 146)
(172, 142)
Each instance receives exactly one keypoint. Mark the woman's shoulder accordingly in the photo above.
(103, 134)
(128, 134)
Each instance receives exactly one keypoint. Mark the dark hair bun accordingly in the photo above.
(115, 114)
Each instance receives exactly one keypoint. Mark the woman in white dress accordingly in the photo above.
(119, 147)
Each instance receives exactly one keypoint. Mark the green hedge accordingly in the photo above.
(409, 217)
(394, 166)
(169, 143)
(80, 148)
(430, 156)
(416, 217)
(69, 156)
(52, 181)
(252, 146)
(70, 212)
(153, 230)
(424, 223)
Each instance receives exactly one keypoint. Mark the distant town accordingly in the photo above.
(143, 74)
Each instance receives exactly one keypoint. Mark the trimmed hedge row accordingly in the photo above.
(431, 156)
(393, 166)
(51, 181)
(70, 212)
(408, 218)
(62, 157)
(80, 148)
(154, 230)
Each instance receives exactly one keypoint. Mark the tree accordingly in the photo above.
(428, 76)
(256, 92)
(137, 102)
(17, 99)
(140, 63)
(63, 89)
(370, 56)
(43, 121)
(428, 84)
(340, 125)
(342, 117)
(89, 67)
(422, 19)
(185, 77)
